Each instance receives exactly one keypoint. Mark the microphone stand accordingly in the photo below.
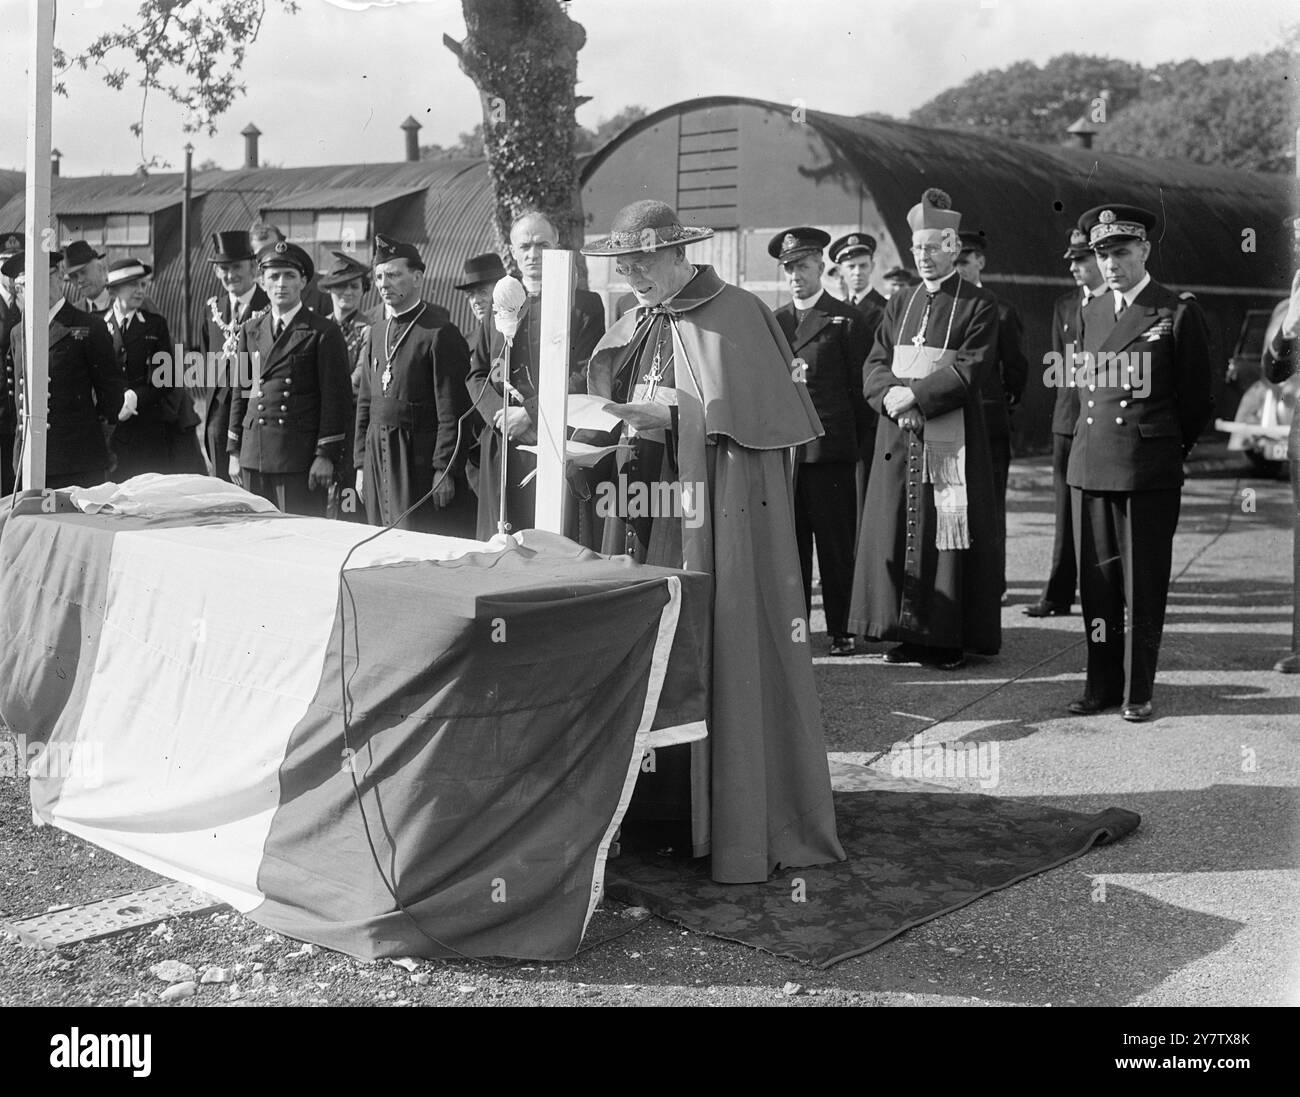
(502, 525)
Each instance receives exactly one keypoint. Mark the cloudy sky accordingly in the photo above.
(332, 83)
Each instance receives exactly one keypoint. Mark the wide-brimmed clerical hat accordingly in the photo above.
(121, 271)
(933, 211)
(231, 247)
(345, 270)
(482, 269)
(646, 225)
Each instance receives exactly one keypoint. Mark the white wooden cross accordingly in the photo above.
(553, 388)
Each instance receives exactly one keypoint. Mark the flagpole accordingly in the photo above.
(41, 240)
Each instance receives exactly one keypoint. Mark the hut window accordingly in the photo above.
(116, 230)
(345, 230)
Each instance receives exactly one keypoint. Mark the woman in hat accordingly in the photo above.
(347, 282)
(160, 436)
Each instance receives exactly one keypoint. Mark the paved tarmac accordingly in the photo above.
(1201, 906)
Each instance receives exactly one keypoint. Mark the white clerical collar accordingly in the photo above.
(930, 287)
(1129, 296)
(240, 303)
(54, 308)
(405, 312)
(287, 317)
(802, 304)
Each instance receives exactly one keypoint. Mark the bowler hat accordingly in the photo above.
(79, 254)
(645, 226)
(482, 269)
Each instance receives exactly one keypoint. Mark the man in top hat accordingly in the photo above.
(11, 243)
(899, 279)
(1004, 384)
(87, 276)
(1144, 397)
(482, 273)
(410, 404)
(830, 343)
(531, 235)
(286, 432)
(86, 385)
(855, 255)
(703, 378)
(926, 573)
(160, 436)
(235, 265)
(1058, 597)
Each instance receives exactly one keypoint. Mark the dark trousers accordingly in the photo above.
(1000, 448)
(1064, 575)
(287, 490)
(1293, 457)
(825, 509)
(1124, 544)
(6, 464)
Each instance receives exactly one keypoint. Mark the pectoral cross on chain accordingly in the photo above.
(657, 367)
(918, 340)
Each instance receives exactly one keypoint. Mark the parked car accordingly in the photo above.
(1263, 419)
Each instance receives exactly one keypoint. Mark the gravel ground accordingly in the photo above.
(1199, 907)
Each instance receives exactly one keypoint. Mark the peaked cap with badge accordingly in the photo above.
(284, 254)
(1105, 224)
(791, 244)
(851, 246)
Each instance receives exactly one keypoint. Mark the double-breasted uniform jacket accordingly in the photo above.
(872, 307)
(1065, 341)
(86, 385)
(1003, 385)
(10, 315)
(1133, 429)
(833, 344)
(298, 407)
(216, 415)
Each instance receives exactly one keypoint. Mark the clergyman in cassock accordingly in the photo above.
(160, 436)
(286, 432)
(411, 397)
(1062, 579)
(86, 385)
(1144, 398)
(1004, 384)
(830, 344)
(702, 376)
(10, 314)
(926, 568)
(531, 235)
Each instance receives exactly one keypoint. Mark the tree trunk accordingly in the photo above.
(523, 57)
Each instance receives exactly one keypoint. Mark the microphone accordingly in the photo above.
(508, 297)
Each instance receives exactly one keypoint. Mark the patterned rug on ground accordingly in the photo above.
(915, 852)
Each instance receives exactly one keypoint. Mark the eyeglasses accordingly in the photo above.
(927, 249)
(623, 270)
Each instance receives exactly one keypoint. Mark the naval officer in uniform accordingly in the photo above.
(830, 344)
(286, 432)
(1144, 397)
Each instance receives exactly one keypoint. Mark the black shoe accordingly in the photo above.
(1047, 609)
(945, 658)
(904, 653)
(842, 645)
(1290, 664)
(1088, 706)
(1137, 713)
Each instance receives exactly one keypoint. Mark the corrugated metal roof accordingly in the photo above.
(1027, 197)
(11, 183)
(344, 198)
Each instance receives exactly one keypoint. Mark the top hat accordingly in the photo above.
(645, 226)
(231, 247)
(482, 269)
